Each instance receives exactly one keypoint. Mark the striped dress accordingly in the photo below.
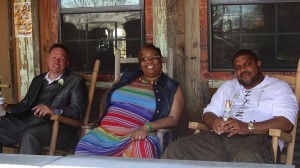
(130, 108)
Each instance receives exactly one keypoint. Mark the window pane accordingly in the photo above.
(96, 35)
(272, 30)
(96, 3)
(258, 18)
(263, 46)
(226, 18)
(288, 50)
(288, 17)
(223, 49)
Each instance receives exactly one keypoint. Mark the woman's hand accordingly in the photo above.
(139, 134)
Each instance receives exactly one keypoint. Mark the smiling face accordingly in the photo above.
(151, 63)
(247, 71)
(57, 62)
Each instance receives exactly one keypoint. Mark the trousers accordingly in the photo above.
(209, 146)
(30, 132)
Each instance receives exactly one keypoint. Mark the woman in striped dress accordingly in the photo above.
(134, 108)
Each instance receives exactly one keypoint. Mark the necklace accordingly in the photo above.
(145, 81)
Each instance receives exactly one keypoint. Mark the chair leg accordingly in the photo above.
(54, 138)
(275, 147)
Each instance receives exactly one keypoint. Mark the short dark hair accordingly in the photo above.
(245, 52)
(59, 45)
(149, 47)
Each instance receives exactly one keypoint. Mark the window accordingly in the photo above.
(270, 28)
(93, 29)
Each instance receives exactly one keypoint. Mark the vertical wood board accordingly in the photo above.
(45, 31)
(192, 65)
(160, 25)
(25, 58)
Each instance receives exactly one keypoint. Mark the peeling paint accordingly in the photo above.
(26, 60)
(160, 25)
(26, 64)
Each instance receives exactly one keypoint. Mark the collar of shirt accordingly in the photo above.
(50, 80)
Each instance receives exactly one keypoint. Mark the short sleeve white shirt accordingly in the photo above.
(270, 98)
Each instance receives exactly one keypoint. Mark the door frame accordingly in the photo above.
(6, 52)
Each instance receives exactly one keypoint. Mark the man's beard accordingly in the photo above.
(250, 82)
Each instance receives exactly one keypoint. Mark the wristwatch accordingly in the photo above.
(58, 111)
(250, 127)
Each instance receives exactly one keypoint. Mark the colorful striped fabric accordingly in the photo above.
(130, 108)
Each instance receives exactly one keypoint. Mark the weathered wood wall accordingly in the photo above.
(176, 43)
(176, 31)
(26, 53)
(195, 89)
(159, 9)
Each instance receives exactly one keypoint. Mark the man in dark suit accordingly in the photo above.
(56, 92)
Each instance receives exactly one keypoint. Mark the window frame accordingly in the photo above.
(210, 3)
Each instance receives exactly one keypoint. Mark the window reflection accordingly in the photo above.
(226, 18)
(96, 35)
(272, 30)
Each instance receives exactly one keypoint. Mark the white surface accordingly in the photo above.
(112, 162)
(35, 161)
(26, 161)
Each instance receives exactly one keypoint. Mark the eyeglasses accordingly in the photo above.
(155, 58)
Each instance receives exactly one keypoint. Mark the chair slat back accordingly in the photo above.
(92, 79)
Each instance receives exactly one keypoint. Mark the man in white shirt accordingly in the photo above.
(258, 104)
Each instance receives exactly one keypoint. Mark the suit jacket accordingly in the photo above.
(71, 97)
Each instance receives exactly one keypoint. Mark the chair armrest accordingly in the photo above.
(85, 129)
(164, 141)
(66, 120)
(87, 126)
(164, 130)
(286, 137)
(198, 126)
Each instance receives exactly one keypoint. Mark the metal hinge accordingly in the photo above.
(4, 85)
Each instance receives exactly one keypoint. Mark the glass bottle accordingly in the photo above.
(227, 112)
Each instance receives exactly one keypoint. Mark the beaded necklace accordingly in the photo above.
(145, 81)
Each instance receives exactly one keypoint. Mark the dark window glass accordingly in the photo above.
(95, 33)
(272, 30)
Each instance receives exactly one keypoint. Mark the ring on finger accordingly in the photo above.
(140, 137)
(233, 128)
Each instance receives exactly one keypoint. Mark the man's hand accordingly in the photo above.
(217, 125)
(233, 127)
(42, 110)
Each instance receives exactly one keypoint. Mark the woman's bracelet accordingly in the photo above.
(149, 127)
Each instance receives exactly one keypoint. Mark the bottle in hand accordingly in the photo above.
(227, 112)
